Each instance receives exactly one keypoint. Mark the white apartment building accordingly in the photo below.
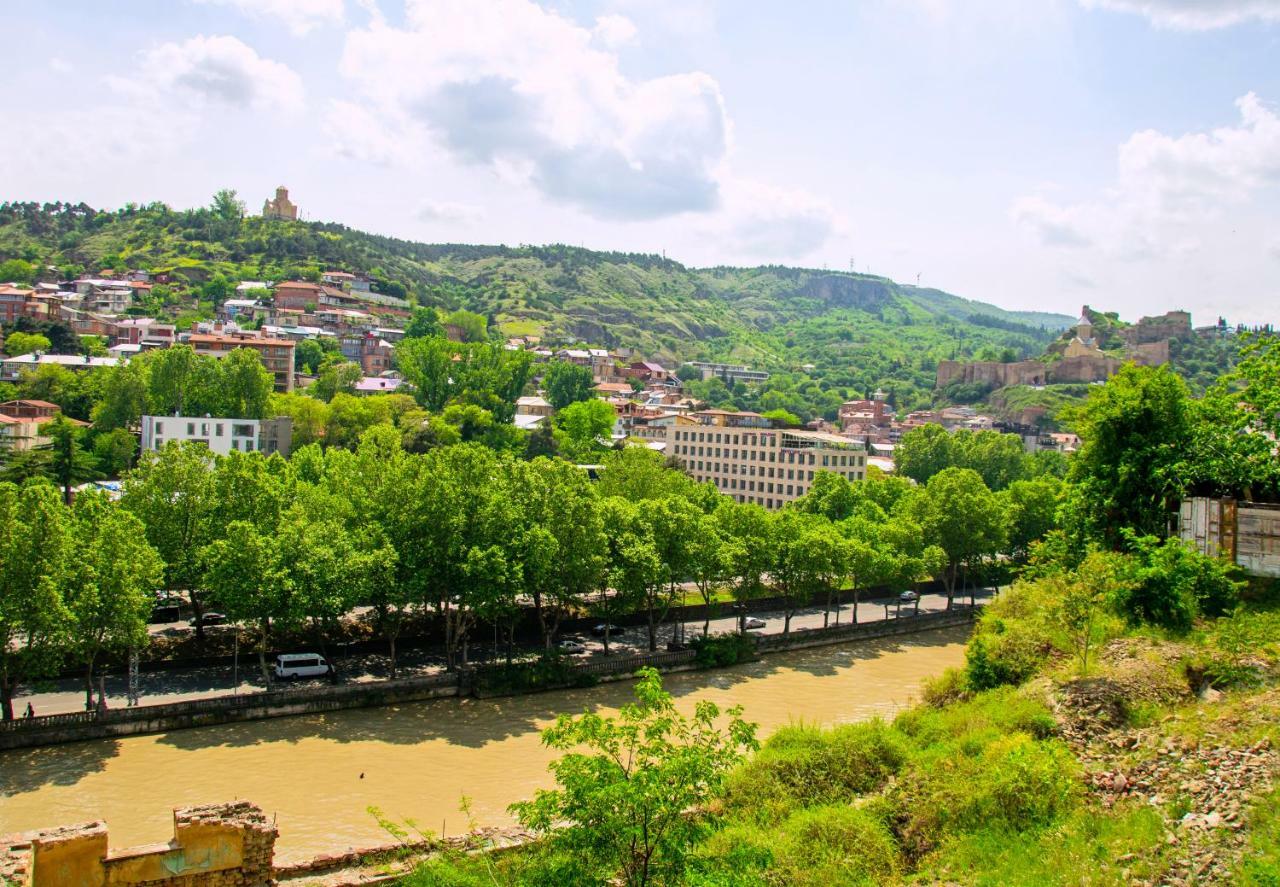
(752, 461)
(221, 436)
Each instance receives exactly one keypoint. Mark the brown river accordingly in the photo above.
(319, 773)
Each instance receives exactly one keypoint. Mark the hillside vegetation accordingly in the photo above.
(858, 332)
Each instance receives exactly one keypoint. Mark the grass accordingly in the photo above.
(1260, 866)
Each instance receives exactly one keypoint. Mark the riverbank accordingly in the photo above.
(318, 773)
(143, 719)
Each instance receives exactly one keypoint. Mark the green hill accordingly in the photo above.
(843, 334)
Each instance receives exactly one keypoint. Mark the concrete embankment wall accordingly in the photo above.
(53, 729)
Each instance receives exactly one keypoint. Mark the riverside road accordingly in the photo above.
(67, 695)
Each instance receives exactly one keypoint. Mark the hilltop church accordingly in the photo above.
(281, 207)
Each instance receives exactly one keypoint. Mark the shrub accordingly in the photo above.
(1013, 784)
(999, 658)
(950, 686)
(524, 677)
(1173, 582)
(803, 765)
(719, 650)
(818, 847)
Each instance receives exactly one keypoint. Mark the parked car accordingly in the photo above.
(165, 613)
(908, 597)
(290, 666)
(572, 646)
(753, 623)
(599, 630)
(210, 619)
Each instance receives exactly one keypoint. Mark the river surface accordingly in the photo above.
(319, 773)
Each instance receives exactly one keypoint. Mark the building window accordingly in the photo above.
(159, 428)
(191, 429)
(217, 429)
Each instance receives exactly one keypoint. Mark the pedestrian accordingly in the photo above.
(30, 712)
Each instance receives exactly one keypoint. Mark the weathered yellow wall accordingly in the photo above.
(71, 860)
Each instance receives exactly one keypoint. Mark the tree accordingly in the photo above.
(124, 398)
(1032, 510)
(745, 527)
(19, 343)
(567, 383)
(310, 416)
(308, 355)
(227, 205)
(559, 539)
(583, 425)
(114, 451)
(709, 561)
(473, 326)
(17, 271)
(831, 495)
(111, 583)
(69, 463)
(338, 377)
(172, 493)
(633, 573)
(245, 386)
(1099, 579)
(171, 373)
(672, 521)
(247, 575)
(1135, 431)
(957, 512)
(923, 452)
(808, 556)
(623, 805)
(35, 550)
(425, 323)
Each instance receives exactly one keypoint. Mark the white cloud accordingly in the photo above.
(761, 223)
(1274, 248)
(1167, 188)
(218, 70)
(300, 16)
(458, 213)
(511, 86)
(1194, 15)
(614, 30)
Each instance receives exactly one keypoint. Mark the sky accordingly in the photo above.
(1037, 154)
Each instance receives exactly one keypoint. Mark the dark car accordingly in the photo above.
(210, 619)
(599, 630)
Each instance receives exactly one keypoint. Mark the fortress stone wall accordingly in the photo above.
(219, 845)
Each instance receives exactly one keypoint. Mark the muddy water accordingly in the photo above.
(319, 773)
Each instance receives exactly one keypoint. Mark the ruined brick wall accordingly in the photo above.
(1172, 325)
(219, 845)
(1083, 369)
(1151, 353)
(993, 373)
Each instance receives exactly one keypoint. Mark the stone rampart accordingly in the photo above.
(219, 845)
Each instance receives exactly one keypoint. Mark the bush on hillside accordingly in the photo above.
(803, 765)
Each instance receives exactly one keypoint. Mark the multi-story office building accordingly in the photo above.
(747, 458)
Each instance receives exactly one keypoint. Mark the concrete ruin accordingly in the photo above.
(218, 845)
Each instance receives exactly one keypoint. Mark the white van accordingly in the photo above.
(301, 665)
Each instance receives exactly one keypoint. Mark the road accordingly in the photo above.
(62, 696)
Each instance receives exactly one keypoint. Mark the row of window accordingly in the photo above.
(248, 447)
(792, 457)
(237, 430)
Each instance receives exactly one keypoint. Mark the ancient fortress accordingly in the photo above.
(1146, 343)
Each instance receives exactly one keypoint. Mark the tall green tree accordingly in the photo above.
(36, 546)
(110, 583)
(69, 462)
(585, 427)
(957, 512)
(567, 383)
(247, 575)
(245, 385)
(1135, 431)
(172, 493)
